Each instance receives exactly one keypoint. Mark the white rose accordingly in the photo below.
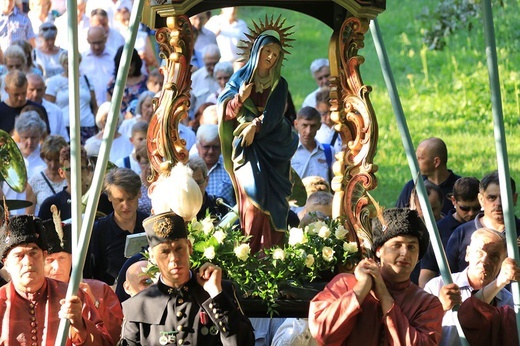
(309, 261)
(341, 232)
(242, 251)
(191, 239)
(209, 252)
(207, 226)
(350, 247)
(296, 236)
(327, 253)
(196, 225)
(310, 229)
(324, 232)
(220, 236)
(279, 254)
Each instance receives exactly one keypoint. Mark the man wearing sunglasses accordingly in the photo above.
(492, 217)
(466, 207)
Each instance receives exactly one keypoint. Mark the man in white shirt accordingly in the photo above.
(229, 30)
(99, 17)
(311, 157)
(62, 23)
(35, 92)
(203, 83)
(98, 62)
(320, 71)
(484, 255)
(326, 134)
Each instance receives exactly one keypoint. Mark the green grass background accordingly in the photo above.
(443, 93)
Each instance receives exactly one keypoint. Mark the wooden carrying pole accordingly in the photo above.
(501, 148)
(435, 239)
(101, 165)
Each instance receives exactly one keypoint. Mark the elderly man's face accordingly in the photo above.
(136, 279)
(58, 266)
(209, 151)
(25, 264)
(484, 256)
(322, 76)
(398, 256)
(173, 260)
(97, 40)
(35, 89)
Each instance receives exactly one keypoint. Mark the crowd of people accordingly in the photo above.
(246, 143)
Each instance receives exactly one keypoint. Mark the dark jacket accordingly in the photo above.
(160, 315)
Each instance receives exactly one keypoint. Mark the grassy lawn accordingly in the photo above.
(444, 93)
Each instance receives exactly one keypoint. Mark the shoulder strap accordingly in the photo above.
(48, 182)
(328, 154)
(126, 162)
(86, 80)
(334, 138)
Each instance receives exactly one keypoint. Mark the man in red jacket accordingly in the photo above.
(378, 304)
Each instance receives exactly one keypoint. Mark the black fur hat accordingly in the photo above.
(56, 242)
(21, 229)
(400, 222)
(164, 226)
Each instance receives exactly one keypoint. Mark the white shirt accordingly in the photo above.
(325, 135)
(121, 147)
(314, 163)
(310, 100)
(450, 335)
(202, 85)
(62, 39)
(99, 69)
(134, 165)
(55, 116)
(229, 36)
(204, 38)
(58, 86)
(188, 135)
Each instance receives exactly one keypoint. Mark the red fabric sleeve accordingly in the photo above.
(484, 324)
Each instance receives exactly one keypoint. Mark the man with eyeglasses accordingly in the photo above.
(208, 147)
(320, 71)
(203, 83)
(492, 217)
(485, 258)
(466, 207)
(62, 199)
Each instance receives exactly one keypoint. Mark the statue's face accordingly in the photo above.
(268, 56)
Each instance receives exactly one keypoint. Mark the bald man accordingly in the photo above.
(98, 62)
(432, 156)
(35, 92)
(136, 278)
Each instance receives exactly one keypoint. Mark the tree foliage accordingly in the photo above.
(447, 17)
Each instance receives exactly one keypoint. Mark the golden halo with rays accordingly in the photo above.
(266, 25)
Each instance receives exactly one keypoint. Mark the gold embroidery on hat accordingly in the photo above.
(163, 227)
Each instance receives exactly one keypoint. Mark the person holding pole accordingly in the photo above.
(485, 255)
(32, 305)
(482, 321)
(186, 306)
(378, 304)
